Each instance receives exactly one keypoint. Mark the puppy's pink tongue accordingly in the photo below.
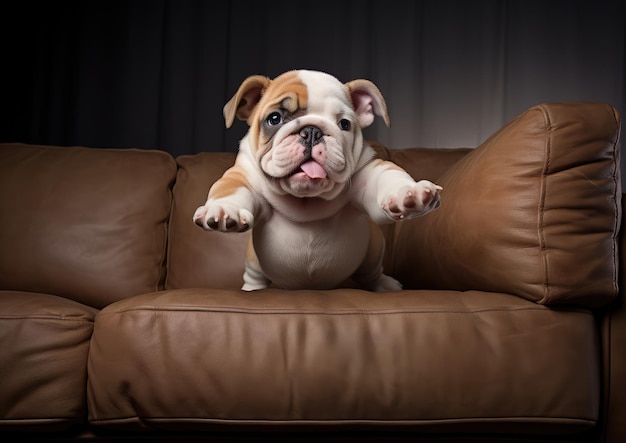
(313, 169)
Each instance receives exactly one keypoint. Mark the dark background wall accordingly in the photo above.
(156, 73)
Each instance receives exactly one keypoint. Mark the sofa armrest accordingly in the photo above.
(614, 346)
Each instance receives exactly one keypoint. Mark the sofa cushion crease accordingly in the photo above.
(519, 426)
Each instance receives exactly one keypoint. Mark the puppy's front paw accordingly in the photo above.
(223, 218)
(414, 200)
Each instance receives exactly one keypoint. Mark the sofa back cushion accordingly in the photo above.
(198, 258)
(86, 224)
(534, 211)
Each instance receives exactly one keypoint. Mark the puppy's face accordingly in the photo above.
(305, 129)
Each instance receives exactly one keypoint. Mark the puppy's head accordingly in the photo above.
(305, 129)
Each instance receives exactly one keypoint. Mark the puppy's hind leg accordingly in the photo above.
(253, 276)
(370, 274)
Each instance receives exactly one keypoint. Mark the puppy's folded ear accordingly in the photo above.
(367, 101)
(245, 99)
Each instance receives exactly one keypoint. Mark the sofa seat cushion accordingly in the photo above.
(44, 342)
(441, 361)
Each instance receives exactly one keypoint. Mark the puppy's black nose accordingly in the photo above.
(310, 136)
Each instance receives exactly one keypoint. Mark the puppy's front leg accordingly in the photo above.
(231, 204)
(253, 276)
(388, 193)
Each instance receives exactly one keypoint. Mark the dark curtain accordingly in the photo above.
(156, 73)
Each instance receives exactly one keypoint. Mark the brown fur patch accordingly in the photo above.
(386, 164)
(233, 179)
(286, 91)
(392, 165)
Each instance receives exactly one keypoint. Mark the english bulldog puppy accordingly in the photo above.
(309, 186)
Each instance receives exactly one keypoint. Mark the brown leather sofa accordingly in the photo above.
(119, 318)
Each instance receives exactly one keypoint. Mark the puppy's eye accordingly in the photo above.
(344, 124)
(275, 118)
